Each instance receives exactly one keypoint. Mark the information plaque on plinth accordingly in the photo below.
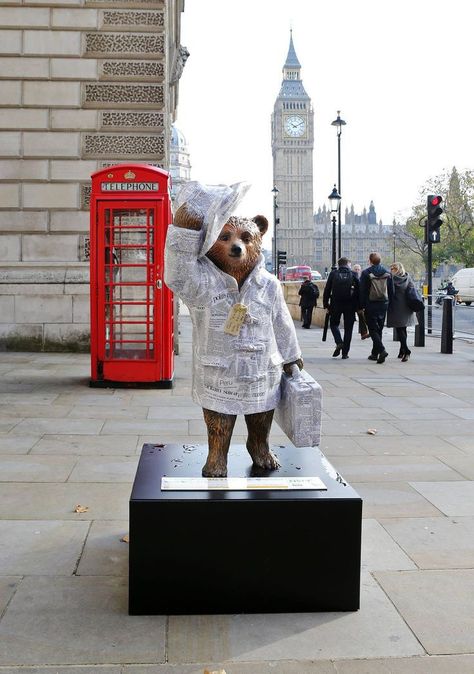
(286, 540)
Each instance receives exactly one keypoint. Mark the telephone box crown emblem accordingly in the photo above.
(129, 175)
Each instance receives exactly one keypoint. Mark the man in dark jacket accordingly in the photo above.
(376, 292)
(309, 294)
(341, 298)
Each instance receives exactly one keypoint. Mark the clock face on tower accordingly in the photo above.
(295, 126)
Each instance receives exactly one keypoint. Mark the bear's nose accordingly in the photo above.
(236, 250)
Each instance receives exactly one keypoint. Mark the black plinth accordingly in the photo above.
(260, 551)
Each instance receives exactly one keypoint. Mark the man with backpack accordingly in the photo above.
(341, 298)
(376, 292)
(309, 293)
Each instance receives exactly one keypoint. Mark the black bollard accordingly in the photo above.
(420, 329)
(447, 326)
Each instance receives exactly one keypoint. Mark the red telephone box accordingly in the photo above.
(131, 308)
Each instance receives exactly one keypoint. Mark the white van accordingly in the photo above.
(463, 280)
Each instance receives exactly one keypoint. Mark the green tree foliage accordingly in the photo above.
(457, 231)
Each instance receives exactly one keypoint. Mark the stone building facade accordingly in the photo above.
(292, 149)
(84, 84)
(360, 234)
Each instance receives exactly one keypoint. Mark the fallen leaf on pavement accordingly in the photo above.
(125, 539)
(371, 431)
(81, 509)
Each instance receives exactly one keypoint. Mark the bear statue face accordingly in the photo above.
(238, 246)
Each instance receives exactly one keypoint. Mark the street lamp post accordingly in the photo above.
(334, 204)
(394, 238)
(339, 123)
(275, 191)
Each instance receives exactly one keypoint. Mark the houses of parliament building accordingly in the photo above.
(306, 236)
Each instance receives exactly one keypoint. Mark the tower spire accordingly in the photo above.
(291, 59)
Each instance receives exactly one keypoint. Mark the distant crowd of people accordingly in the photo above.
(376, 295)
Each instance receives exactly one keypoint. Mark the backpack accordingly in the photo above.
(378, 291)
(342, 285)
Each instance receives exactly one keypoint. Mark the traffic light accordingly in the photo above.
(434, 222)
(281, 258)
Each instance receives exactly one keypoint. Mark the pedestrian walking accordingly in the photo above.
(376, 292)
(309, 293)
(341, 299)
(399, 315)
(363, 329)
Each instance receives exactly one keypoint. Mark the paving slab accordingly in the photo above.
(394, 469)
(42, 501)
(428, 664)
(462, 442)
(24, 410)
(8, 423)
(105, 553)
(108, 412)
(429, 445)
(17, 444)
(35, 468)
(380, 551)
(86, 444)
(260, 667)
(91, 669)
(393, 499)
(441, 427)
(464, 465)
(41, 547)
(341, 446)
(452, 498)
(78, 620)
(8, 586)
(303, 636)
(128, 427)
(437, 605)
(435, 542)
(55, 426)
(104, 469)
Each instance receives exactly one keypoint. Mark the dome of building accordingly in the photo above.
(178, 140)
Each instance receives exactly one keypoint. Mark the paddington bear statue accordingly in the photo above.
(243, 334)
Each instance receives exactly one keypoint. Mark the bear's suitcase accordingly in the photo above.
(299, 412)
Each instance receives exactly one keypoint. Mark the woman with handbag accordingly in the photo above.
(399, 314)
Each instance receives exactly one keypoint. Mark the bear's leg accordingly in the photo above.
(219, 433)
(258, 426)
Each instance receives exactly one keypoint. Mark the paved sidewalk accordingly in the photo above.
(63, 585)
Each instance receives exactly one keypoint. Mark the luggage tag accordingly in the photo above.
(235, 319)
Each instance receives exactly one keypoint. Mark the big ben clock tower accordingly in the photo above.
(292, 149)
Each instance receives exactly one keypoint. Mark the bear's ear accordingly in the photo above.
(261, 222)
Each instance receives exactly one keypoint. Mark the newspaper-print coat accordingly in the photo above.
(231, 374)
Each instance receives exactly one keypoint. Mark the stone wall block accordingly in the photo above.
(78, 289)
(74, 18)
(140, 4)
(74, 119)
(10, 93)
(23, 118)
(10, 41)
(69, 221)
(52, 144)
(23, 169)
(31, 289)
(67, 337)
(81, 309)
(72, 170)
(10, 143)
(131, 70)
(71, 3)
(24, 67)
(107, 45)
(45, 309)
(74, 69)
(7, 309)
(112, 145)
(101, 95)
(52, 94)
(21, 337)
(67, 43)
(146, 20)
(51, 247)
(9, 195)
(24, 17)
(10, 248)
(51, 195)
(23, 221)
(129, 120)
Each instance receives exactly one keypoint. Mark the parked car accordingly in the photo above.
(315, 275)
(463, 280)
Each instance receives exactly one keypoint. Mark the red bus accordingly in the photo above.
(298, 273)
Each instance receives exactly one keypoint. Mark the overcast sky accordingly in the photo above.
(401, 72)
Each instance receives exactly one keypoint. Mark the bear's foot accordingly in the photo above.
(214, 469)
(263, 457)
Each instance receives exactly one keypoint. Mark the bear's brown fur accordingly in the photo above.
(236, 252)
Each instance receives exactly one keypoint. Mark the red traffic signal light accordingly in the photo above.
(433, 222)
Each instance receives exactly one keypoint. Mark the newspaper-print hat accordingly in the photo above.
(213, 203)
